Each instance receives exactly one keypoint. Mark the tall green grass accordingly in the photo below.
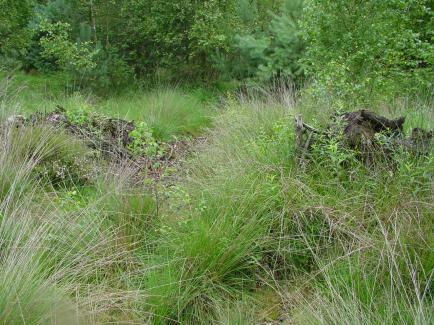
(353, 243)
(243, 235)
(35, 92)
(29, 291)
(169, 111)
(62, 260)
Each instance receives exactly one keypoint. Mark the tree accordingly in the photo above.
(358, 48)
(14, 35)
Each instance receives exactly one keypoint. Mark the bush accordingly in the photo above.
(358, 50)
(275, 52)
(111, 73)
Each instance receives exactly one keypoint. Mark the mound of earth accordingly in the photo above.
(112, 137)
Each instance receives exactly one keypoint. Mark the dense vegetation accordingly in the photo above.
(206, 214)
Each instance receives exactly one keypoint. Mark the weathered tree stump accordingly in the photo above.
(359, 131)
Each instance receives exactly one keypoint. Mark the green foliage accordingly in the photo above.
(274, 53)
(359, 49)
(177, 36)
(77, 58)
(213, 27)
(110, 73)
(14, 36)
(180, 39)
(143, 142)
(354, 49)
(78, 116)
(147, 38)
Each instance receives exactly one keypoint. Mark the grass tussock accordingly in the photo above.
(168, 111)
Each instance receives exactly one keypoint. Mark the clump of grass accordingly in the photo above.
(59, 267)
(380, 277)
(31, 291)
(48, 155)
(126, 203)
(168, 111)
(71, 263)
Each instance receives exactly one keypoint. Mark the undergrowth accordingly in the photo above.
(244, 234)
(248, 216)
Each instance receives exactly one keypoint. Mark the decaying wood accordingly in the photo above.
(358, 131)
(376, 122)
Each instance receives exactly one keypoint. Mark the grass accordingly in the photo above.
(243, 235)
(252, 218)
(62, 256)
(169, 111)
(35, 92)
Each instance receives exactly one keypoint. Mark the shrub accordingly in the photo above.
(76, 58)
(275, 52)
(143, 142)
(357, 50)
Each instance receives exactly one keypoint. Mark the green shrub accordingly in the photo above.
(359, 50)
(143, 142)
(76, 58)
(275, 52)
